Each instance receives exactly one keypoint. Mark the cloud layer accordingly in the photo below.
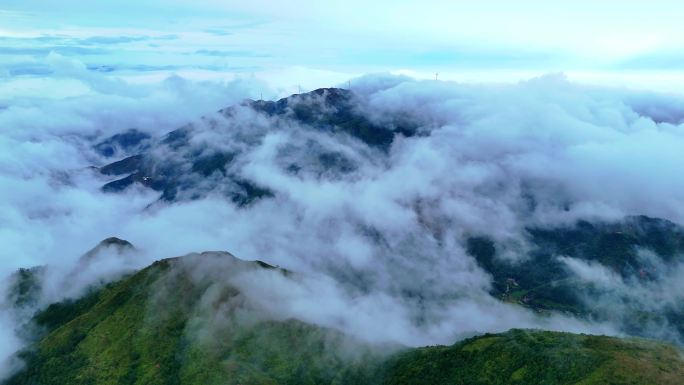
(221, 38)
(380, 241)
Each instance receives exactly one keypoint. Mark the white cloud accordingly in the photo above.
(592, 272)
(384, 240)
(356, 37)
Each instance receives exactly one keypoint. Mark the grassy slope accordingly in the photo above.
(540, 357)
(127, 333)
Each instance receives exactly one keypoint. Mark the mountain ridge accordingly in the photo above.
(126, 333)
(326, 110)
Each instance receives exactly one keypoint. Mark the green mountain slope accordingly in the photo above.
(539, 357)
(150, 328)
(640, 251)
(182, 321)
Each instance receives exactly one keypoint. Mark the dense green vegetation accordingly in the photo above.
(541, 281)
(130, 333)
(539, 357)
(25, 286)
(172, 324)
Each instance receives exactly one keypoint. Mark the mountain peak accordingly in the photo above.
(114, 241)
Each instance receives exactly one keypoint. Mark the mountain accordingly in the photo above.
(150, 328)
(538, 357)
(636, 258)
(338, 165)
(207, 156)
(33, 288)
(123, 143)
(184, 321)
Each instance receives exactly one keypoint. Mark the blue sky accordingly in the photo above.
(635, 42)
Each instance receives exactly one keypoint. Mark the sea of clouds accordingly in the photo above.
(381, 246)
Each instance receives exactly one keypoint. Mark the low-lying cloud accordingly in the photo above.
(380, 237)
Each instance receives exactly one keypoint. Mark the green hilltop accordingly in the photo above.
(175, 323)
